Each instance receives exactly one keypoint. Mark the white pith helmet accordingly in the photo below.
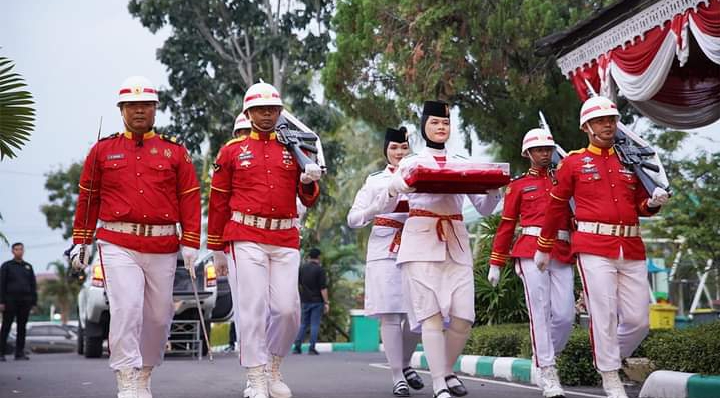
(597, 107)
(261, 94)
(242, 122)
(536, 138)
(137, 89)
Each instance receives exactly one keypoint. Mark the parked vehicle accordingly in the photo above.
(44, 337)
(94, 314)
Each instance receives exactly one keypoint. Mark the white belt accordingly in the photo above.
(535, 231)
(140, 229)
(608, 229)
(262, 222)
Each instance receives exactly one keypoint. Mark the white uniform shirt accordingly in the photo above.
(420, 240)
(362, 213)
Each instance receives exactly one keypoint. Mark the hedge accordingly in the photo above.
(507, 340)
(695, 350)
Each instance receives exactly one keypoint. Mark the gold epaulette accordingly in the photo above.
(109, 137)
(169, 138)
(577, 151)
(236, 140)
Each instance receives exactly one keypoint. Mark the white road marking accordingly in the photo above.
(502, 383)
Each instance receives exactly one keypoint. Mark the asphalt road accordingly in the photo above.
(329, 375)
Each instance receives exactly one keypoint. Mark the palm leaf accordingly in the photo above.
(17, 116)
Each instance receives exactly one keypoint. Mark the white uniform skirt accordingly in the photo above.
(443, 287)
(384, 292)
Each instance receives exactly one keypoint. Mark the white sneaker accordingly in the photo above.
(127, 382)
(256, 383)
(144, 382)
(612, 385)
(276, 385)
(551, 382)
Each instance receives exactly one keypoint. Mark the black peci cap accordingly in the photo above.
(396, 135)
(436, 108)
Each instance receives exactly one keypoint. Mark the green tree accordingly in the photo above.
(217, 49)
(3, 238)
(17, 116)
(62, 186)
(478, 55)
(62, 290)
(691, 214)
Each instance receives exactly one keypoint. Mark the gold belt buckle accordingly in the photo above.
(141, 229)
(622, 230)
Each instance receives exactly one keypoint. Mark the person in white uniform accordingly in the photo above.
(436, 257)
(384, 296)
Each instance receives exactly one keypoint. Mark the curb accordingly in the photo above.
(669, 384)
(508, 368)
(320, 347)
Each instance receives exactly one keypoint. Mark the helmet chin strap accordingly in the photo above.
(597, 137)
(259, 130)
(138, 143)
(534, 162)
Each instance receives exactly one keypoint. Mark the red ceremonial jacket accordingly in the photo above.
(527, 198)
(604, 191)
(152, 183)
(256, 175)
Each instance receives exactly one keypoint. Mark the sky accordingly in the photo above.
(74, 54)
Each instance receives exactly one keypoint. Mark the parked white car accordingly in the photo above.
(94, 314)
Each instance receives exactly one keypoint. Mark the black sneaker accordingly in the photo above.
(22, 357)
(297, 350)
(2, 358)
(313, 351)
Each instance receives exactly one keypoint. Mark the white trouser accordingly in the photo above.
(616, 296)
(550, 302)
(140, 291)
(268, 298)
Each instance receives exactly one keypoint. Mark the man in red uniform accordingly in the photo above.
(139, 185)
(611, 255)
(252, 209)
(548, 293)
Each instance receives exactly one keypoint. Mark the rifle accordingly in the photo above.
(636, 154)
(298, 141)
(558, 155)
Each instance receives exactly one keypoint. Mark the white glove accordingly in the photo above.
(494, 275)
(80, 257)
(220, 262)
(659, 197)
(189, 256)
(398, 185)
(541, 259)
(312, 172)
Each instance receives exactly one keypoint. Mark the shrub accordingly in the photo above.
(508, 340)
(694, 350)
(575, 363)
(506, 302)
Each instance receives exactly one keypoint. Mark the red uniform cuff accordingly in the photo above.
(498, 259)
